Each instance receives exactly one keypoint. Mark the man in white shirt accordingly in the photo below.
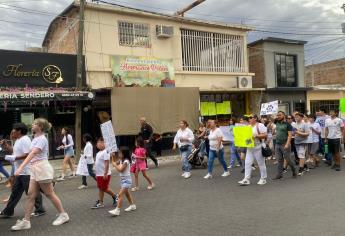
(19, 151)
(333, 134)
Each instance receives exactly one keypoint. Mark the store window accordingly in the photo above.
(286, 70)
(134, 34)
(300, 107)
(325, 104)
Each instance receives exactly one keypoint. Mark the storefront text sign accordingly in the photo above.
(45, 95)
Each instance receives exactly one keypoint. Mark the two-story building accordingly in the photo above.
(278, 65)
(127, 47)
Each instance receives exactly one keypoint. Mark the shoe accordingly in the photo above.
(4, 216)
(115, 212)
(97, 205)
(262, 182)
(324, 159)
(230, 167)
(269, 158)
(150, 187)
(187, 175)
(306, 169)
(37, 214)
(300, 173)
(226, 174)
(284, 171)
(244, 182)
(238, 165)
(157, 164)
(62, 219)
(253, 168)
(82, 187)
(208, 176)
(278, 177)
(183, 174)
(135, 189)
(273, 158)
(131, 208)
(115, 199)
(60, 179)
(21, 225)
(343, 157)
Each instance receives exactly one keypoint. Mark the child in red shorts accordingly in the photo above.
(139, 164)
(103, 175)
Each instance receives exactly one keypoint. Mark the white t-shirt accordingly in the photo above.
(88, 153)
(213, 136)
(184, 134)
(41, 143)
(126, 171)
(310, 136)
(316, 137)
(70, 141)
(262, 130)
(334, 128)
(101, 157)
(322, 122)
(22, 147)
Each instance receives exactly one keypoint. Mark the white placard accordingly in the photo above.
(226, 132)
(269, 108)
(109, 137)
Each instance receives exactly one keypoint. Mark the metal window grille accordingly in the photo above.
(328, 105)
(212, 52)
(134, 34)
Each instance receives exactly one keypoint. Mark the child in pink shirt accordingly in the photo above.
(139, 165)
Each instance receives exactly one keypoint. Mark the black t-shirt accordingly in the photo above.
(146, 132)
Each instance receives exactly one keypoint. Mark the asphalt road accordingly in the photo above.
(310, 205)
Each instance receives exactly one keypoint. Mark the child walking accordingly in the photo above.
(122, 165)
(139, 164)
(103, 175)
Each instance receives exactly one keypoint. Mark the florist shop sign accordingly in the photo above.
(33, 69)
(142, 71)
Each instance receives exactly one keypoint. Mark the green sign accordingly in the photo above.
(342, 105)
(204, 108)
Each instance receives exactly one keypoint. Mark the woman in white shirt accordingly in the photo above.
(184, 139)
(42, 174)
(259, 133)
(216, 150)
(67, 146)
(88, 155)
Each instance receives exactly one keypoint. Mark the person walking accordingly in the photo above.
(42, 174)
(88, 155)
(321, 120)
(67, 146)
(301, 139)
(183, 140)
(316, 131)
(146, 132)
(283, 145)
(234, 155)
(216, 150)
(259, 132)
(333, 134)
(20, 151)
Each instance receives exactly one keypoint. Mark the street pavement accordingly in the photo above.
(309, 205)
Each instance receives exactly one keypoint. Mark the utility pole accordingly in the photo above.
(187, 8)
(79, 84)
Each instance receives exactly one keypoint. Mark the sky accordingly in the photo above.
(23, 23)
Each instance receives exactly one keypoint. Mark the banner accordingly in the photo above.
(46, 96)
(243, 136)
(142, 71)
(212, 110)
(109, 137)
(226, 132)
(204, 108)
(269, 108)
(342, 105)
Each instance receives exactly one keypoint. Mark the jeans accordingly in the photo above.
(91, 173)
(21, 185)
(293, 148)
(3, 171)
(185, 163)
(281, 154)
(202, 151)
(234, 155)
(257, 154)
(212, 155)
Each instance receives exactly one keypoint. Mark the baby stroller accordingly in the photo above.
(197, 157)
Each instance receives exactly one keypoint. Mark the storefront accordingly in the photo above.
(325, 97)
(40, 85)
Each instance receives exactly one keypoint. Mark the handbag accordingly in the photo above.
(265, 149)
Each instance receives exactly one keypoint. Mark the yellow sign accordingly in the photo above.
(243, 136)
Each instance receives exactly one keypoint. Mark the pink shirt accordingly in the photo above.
(140, 152)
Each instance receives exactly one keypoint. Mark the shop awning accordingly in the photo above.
(33, 96)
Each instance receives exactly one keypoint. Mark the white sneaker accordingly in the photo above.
(230, 167)
(187, 175)
(21, 225)
(208, 176)
(183, 174)
(115, 212)
(226, 174)
(131, 208)
(262, 182)
(238, 165)
(135, 189)
(244, 182)
(150, 187)
(62, 218)
(60, 179)
(82, 187)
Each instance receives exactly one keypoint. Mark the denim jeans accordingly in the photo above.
(212, 155)
(91, 173)
(234, 155)
(185, 163)
(3, 171)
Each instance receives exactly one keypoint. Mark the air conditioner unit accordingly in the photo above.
(164, 31)
(244, 82)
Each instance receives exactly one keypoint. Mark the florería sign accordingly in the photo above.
(45, 96)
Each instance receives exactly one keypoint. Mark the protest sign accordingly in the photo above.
(109, 137)
(342, 105)
(269, 108)
(226, 132)
(243, 136)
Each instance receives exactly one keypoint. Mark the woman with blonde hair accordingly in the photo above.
(42, 174)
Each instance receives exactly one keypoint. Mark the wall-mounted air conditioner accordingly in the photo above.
(164, 31)
(244, 82)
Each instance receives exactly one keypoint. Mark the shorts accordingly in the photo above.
(301, 150)
(126, 181)
(138, 166)
(333, 146)
(103, 184)
(313, 148)
(69, 152)
(42, 171)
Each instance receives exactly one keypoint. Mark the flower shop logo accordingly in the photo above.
(50, 73)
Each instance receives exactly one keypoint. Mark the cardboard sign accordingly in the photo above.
(109, 137)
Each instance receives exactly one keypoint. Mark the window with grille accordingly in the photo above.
(212, 52)
(134, 34)
(286, 70)
(328, 105)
